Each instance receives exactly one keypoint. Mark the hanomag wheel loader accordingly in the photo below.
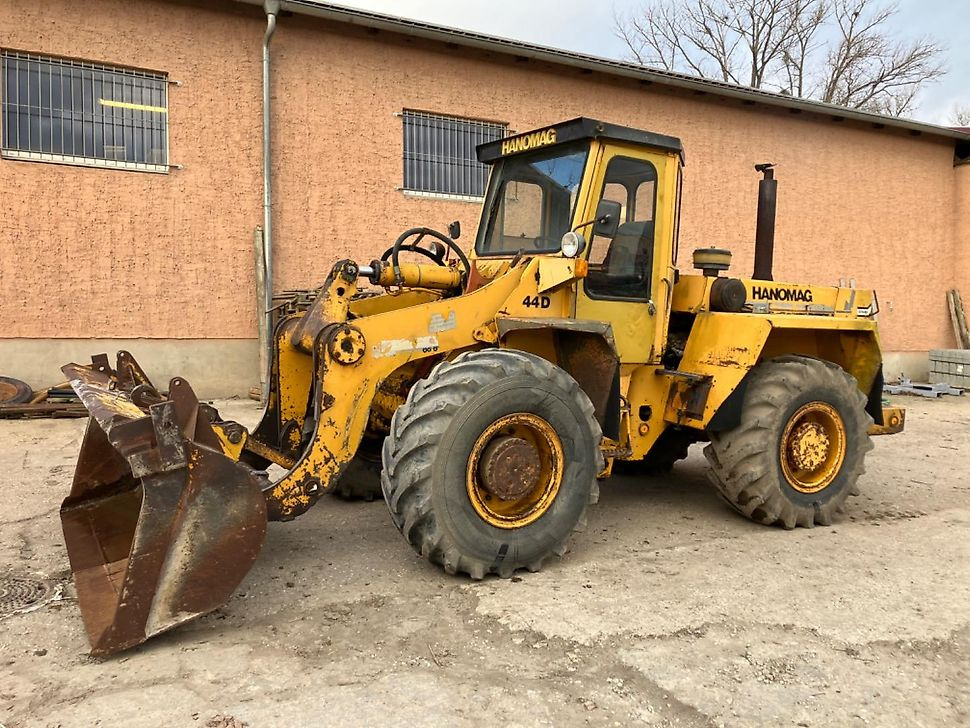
(496, 389)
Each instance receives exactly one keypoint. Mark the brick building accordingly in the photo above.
(131, 171)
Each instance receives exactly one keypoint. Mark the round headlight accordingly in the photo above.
(572, 244)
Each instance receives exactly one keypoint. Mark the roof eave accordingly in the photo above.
(471, 39)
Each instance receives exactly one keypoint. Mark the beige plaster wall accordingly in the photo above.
(116, 254)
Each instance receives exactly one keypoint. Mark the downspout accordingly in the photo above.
(272, 9)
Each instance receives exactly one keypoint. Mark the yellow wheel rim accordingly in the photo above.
(515, 470)
(813, 447)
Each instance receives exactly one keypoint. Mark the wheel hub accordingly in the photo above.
(813, 447)
(809, 446)
(514, 470)
(509, 467)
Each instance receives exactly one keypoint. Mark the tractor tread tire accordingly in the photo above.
(744, 461)
(420, 424)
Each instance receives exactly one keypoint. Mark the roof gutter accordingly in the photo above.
(558, 56)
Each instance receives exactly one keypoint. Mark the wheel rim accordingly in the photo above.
(515, 470)
(813, 447)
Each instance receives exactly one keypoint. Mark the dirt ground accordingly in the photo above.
(668, 611)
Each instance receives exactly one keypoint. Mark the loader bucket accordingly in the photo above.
(160, 525)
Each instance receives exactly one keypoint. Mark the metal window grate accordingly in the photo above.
(59, 110)
(439, 153)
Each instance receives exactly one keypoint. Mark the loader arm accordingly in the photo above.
(166, 514)
(354, 357)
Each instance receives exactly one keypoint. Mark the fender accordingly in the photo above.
(724, 347)
(585, 349)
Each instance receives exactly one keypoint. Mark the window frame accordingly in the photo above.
(490, 207)
(408, 155)
(61, 62)
(631, 195)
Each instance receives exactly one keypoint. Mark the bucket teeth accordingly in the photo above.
(160, 525)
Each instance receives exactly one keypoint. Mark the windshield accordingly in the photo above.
(531, 201)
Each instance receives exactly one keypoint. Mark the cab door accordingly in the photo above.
(630, 278)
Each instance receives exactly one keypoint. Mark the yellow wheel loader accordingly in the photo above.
(488, 393)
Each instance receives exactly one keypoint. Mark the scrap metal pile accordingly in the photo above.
(19, 401)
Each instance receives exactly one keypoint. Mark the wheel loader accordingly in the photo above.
(486, 394)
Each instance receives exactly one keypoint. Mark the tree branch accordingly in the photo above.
(838, 51)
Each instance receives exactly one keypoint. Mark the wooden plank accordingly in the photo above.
(43, 409)
(952, 307)
(39, 396)
(952, 298)
(961, 320)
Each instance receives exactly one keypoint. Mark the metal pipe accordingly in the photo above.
(764, 237)
(272, 9)
(259, 258)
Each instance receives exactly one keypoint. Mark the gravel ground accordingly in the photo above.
(668, 611)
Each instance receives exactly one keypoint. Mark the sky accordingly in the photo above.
(586, 26)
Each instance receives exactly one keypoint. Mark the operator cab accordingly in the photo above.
(600, 180)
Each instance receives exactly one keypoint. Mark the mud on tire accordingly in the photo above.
(432, 435)
(746, 462)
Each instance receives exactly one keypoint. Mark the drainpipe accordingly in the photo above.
(272, 9)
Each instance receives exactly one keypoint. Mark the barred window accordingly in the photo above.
(59, 110)
(439, 154)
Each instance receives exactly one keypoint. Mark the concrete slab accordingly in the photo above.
(670, 610)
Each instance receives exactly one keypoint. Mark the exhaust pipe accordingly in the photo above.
(764, 237)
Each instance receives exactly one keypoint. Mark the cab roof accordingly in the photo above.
(573, 130)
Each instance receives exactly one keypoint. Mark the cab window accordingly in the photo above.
(620, 266)
(531, 200)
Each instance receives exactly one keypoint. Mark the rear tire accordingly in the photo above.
(800, 446)
(430, 481)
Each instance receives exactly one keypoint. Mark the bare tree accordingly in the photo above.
(807, 17)
(839, 51)
(960, 115)
(866, 69)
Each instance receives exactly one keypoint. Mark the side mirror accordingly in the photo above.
(607, 218)
(454, 230)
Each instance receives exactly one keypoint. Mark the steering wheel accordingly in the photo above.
(408, 248)
(420, 233)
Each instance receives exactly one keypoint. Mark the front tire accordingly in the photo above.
(491, 463)
(800, 446)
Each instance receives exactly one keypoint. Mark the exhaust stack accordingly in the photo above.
(764, 238)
